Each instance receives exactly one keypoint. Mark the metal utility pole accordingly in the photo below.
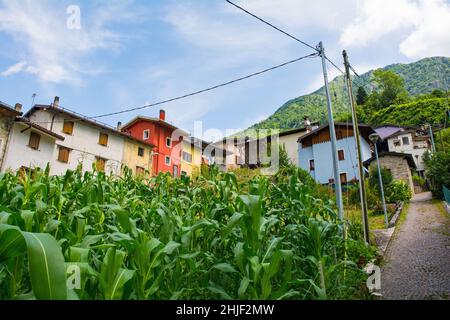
(334, 151)
(433, 146)
(375, 138)
(362, 186)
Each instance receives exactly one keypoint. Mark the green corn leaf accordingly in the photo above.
(47, 269)
(225, 267)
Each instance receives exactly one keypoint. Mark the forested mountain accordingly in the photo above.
(420, 77)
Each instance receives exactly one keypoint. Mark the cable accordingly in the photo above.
(271, 25)
(204, 90)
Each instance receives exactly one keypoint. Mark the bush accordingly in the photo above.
(419, 181)
(438, 171)
(398, 191)
(374, 182)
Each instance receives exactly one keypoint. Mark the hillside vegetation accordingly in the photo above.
(419, 78)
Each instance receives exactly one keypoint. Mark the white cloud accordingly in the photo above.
(18, 67)
(425, 23)
(52, 51)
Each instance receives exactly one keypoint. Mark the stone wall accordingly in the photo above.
(399, 168)
(4, 132)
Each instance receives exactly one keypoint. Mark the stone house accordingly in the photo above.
(7, 116)
(401, 166)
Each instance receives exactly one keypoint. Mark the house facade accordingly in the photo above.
(166, 138)
(411, 141)
(315, 152)
(7, 116)
(400, 165)
(30, 146)
(289, 139)
(49, 134)
(191, 156)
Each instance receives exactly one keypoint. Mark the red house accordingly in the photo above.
(165, 137)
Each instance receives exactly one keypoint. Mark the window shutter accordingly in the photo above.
(68, 127)
(103, 140)
(140, 171)
(100, 164)
(63, 155)
(341, 155)
(34, 140)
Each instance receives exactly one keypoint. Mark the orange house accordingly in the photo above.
(166, 138)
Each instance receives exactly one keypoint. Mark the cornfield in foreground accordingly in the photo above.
(90, 236)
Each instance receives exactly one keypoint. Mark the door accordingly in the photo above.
(175, 171)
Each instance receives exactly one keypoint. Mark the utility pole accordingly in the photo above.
(334, 152)
(433, 146)
(362, 186)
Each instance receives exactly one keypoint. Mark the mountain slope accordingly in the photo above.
(420, 77)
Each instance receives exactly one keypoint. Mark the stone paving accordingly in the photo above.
(417, 262)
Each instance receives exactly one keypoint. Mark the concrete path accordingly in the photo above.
(417, 262)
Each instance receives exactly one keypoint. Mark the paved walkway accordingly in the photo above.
(417, 263)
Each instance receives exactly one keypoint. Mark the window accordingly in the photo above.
(312, 165)
(63, 154)
(405, 141)
(187, 157)
(169, 142)
(341, 155)
(167, 161)
(100, 164)
(68, 127)
(103, 139)
(35, 139)
(140, 171)
(141, 152)
(146, 135)
(343, 178)
(175, 171)
(183, 173)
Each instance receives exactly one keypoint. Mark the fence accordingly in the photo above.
(446, 194)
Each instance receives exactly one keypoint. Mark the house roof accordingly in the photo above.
(398, 133)
(37, 127)
(204, 144)
(9, 109)
(296, 130)
(76, 116)
(153, 120)
(406, 156)
(365, 130)
(387, 130)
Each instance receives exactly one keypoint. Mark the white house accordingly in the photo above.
(289, 139)
(49, 134)
(29, 146)
(7, 116)
(315, 153)
(410, 141)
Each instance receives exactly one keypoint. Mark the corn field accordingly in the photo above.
(94, 237)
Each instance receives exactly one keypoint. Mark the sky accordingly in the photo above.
(123, 54)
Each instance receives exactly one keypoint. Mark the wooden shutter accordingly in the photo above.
(140, 171)
(100, 164)
(103, 139)
(68, 127)
(341, 155)
(63, 154)
(35, 139)
(343, 178)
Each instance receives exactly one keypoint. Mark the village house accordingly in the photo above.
(411, 141)
(7, 116)
(30, 146)
(315, 153)
(289, 139)
(166, 138)
(400, 165)
(65, 139)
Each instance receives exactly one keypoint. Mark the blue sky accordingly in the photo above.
(130, 53)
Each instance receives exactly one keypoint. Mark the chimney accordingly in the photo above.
(162, 115)
(56, 102)
(307, 124)
(18, 107)
(119, 126)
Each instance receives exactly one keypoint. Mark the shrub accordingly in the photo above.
(438, 171)
(398, 191)
(374, 182)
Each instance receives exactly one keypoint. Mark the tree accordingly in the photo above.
(361, 96)
(438, 171)
(390, 89)
(284, 160)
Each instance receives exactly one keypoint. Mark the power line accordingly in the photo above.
(272, 26)
(204, 90)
